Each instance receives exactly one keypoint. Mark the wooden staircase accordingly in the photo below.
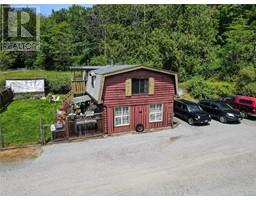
(78, 87)
(69, 96)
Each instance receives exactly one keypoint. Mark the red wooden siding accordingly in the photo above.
(114, 95)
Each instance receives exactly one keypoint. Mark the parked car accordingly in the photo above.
(246, 105)
(191, 112)
(220, 110)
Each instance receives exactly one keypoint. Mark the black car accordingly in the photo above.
(221, 111)
(191, 112)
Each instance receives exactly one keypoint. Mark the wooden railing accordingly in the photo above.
(69, 96)
(78, 87)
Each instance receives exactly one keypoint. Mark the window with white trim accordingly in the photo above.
(122, 116)
(156, 113)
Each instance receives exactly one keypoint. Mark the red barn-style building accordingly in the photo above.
(134, 97)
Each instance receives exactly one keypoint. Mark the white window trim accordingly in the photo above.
(127, 124)
(162, 111)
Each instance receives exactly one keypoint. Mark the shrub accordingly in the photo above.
(58, 86)
(248, 90)
(205, 89)
(246, 83)
(2, 84)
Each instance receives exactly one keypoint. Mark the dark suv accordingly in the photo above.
(220, 110)
(191, 112)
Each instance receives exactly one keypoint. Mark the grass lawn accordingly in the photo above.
(50, 75)
(20, 121)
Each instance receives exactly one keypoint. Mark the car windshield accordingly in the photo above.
(194, 108)
(225, 106)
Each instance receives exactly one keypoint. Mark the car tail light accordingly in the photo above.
(254, 109)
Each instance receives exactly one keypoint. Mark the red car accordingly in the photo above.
(246, 105)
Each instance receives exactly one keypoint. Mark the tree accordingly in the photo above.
(6, 60)
(55, 49)
(239, 50)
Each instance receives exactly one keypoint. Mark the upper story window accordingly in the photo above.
(139, 86)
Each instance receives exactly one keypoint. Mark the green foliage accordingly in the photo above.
(59, 86)
(249, 89)
(239, 50)
(6, 60)
(246, 83)
(99, 60)
(20, 121)
(55, 46)
(202, 89)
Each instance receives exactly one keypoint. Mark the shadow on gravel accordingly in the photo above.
(228, 123)
(207, 124)
(251, 118)
(174, 138)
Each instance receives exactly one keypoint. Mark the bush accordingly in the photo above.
(206, 89)
(246, 83)
(6, 60)
(58, 86)
(248, 90)
(2, 84)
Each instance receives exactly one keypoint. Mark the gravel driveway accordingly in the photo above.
(219, 159)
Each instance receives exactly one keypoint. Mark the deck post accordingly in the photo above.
(67, 128)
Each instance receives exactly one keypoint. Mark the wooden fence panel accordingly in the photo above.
(6, 96)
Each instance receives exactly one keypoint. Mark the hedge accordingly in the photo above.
(207, 89)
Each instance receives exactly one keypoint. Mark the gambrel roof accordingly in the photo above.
(113, 68)
(95, 90)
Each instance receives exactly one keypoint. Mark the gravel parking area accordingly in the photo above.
(218, 159)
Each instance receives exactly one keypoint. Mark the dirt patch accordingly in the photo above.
(21, 153)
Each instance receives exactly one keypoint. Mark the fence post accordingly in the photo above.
(42, 135)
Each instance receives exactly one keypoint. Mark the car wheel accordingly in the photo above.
(244, 114)
(140, 128)
(190, 121)
(223, 119)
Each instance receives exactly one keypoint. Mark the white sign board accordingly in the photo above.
(26, 86)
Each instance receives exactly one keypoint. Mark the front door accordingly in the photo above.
(139, 115)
